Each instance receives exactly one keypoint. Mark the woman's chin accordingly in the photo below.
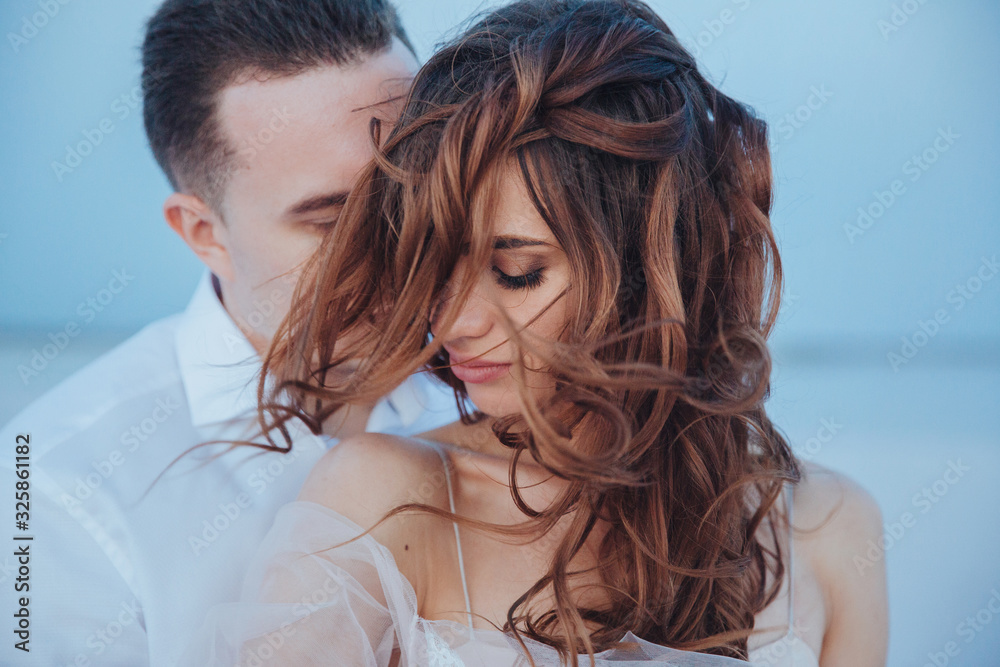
(500, 398)
(494, 402)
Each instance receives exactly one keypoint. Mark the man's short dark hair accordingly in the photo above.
(195, 48)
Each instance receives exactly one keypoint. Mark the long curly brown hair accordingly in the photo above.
(658, 188)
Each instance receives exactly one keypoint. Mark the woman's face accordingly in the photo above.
(526, 274)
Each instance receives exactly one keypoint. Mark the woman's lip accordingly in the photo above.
(478, 372)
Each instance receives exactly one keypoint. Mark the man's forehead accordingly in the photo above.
(326, 93)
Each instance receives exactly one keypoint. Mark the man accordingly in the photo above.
(258, 111)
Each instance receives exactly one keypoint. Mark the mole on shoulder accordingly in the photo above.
(406, 547)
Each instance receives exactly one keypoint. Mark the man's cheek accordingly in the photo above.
(289, 250)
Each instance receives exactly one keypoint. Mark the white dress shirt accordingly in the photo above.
(121, 579)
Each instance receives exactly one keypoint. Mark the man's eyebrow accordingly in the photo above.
(511, 242)
(318, 203)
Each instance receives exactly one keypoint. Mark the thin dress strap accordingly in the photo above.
(791, 572)
(458, 538)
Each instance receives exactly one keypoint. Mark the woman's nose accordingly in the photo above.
(474, 318)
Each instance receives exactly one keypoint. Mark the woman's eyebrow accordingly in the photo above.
(511, 242)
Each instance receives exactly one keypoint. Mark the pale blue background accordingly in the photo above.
(847, 305)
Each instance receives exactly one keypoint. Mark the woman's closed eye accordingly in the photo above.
(522, 281)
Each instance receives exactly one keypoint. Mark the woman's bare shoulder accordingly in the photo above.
(834, 511)
(837, 528)
(368, 475)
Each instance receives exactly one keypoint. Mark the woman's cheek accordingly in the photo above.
(552, 317)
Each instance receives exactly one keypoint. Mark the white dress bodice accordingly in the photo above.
(305, 603)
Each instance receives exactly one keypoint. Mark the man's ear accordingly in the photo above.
(202, 229)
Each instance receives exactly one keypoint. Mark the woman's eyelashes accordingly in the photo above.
(522, 281)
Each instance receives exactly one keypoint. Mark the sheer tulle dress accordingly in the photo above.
(305, 604)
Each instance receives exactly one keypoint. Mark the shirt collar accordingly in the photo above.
(409, 400)
(218, 365)
(220, 368)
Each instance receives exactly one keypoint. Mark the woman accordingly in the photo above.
(569, 226)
